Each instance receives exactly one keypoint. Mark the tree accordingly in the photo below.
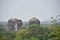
(56, 27)
(33, 32)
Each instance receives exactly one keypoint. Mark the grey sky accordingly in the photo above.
(26, 9)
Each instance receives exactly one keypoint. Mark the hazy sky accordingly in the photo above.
(26, 9)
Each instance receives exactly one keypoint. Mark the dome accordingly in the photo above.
(14, 24)
(34, 21)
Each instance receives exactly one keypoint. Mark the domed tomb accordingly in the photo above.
(14, 24)
(34, 21)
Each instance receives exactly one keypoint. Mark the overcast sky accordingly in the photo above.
(26, 9)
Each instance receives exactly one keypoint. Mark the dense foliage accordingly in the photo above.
(34, 32)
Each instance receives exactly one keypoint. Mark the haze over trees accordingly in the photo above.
(34, 31)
